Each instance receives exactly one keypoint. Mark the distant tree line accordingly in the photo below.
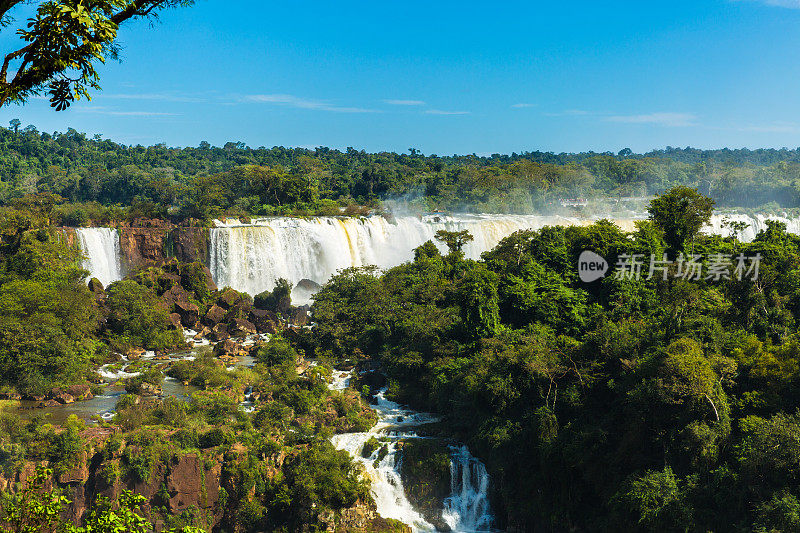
(103, 180)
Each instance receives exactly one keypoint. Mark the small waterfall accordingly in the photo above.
(100, 247)
(467, 509)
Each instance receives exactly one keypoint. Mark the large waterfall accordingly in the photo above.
(100, 247)
(251, 257)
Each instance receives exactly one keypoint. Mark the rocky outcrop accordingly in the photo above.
(144, 243)
(147, 242)
(425, 470)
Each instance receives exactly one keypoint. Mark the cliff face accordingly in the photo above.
(151, 242)
(190, 482)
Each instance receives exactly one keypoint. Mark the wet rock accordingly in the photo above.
(134, 353)
(227, 347)
(201, 333)
(298, 316)
(265, 321)
(148, 389)
(64, 398)
(307, 285)
(80, 392)
(227, 298)
(188, 312)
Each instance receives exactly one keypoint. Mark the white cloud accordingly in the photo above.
(789, 4)
(164, 97)
(442, 112)
(523, 106)
(113, 112)
(659, 119)
(776, 127)
(404, 102)
(289, 100)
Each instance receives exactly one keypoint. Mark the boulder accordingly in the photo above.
(201, 333)
(265, 321)
(148, 389)
(134, 353)
(175, 321)
(80, 392)
(307, 285)
(219, 333)
(227, 347)
(298, 316)
(241, 328)
(96, 287)
(189, 313)
(214, 315)
(227, 298)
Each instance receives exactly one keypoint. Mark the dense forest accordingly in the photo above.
(102, 180)
(628, 404)
(642, 403)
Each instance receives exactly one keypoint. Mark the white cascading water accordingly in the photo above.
(101, 250)
(753, 225)
(251, 257)
(466, 510)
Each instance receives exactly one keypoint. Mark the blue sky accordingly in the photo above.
(452, 77)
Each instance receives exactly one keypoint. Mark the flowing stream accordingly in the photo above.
(466, 510)
(101, 250)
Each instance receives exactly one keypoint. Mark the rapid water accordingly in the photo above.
(466, 510)
(101, 250)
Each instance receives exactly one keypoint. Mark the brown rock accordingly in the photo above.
(214, 315)
(298, 316)
(265, 321)
(219, 333)
(134, 353)
(64, 398)
(189, 313)
(240, 328)
(148, 389)
(202, 333)
(175, 321)
(227, 298)
(226, 348)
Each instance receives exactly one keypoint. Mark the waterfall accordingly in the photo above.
(251, 257)
(100, 247)
(467, 508)
(383, 472)
(753, 225)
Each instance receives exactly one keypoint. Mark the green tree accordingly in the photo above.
(63, 42)
(680, 213)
